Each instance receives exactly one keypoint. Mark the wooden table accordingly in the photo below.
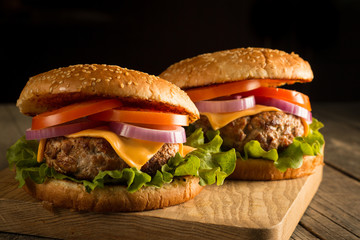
(334, 212)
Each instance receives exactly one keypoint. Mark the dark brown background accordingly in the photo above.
(37, 36)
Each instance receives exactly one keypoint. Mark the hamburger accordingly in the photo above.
(237, 93)
(106, 139)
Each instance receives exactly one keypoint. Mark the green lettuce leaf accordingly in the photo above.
(253, 149)
(23, 153)
(292, 156)
(196, 138)
(215, 165)
(207, 162)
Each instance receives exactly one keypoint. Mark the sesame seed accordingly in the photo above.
(93, 84)
(51, 89)
(129, 83)
(126, 73)
(61, 81)
(76, 74)
(92, 79)
(122, 85)
(98, 80)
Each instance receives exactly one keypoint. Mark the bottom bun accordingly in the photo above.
(260, 169)
(67, 194)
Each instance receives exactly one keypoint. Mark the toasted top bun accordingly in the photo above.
(60, 87)
(239, 64)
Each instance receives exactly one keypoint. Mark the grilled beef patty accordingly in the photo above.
(272, 129)
(85, 157)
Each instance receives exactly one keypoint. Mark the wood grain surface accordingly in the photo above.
(252, 210)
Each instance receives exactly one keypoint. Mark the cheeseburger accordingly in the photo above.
(237, 94)
(104, 138)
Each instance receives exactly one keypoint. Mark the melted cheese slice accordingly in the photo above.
(184, 149)
(41, 148)
(219, 120)
(306, 127)
(134, 152)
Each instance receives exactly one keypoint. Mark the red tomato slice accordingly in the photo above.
(224, 89)
(283, 94)
(141, 116)
(72, 112)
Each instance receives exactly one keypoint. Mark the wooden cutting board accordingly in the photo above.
(236, 210)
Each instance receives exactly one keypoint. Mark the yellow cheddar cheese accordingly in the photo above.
(41, 148)
(184, 149)
(219, 120)
(134, 152)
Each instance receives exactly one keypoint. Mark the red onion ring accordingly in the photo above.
(285, 106)
(61, 130)
(167, 136)
(233, 105)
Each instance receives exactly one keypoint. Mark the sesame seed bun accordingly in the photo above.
(275, 67)
(239, 64)
(60, 87)
(63, 86)
(67, 194)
